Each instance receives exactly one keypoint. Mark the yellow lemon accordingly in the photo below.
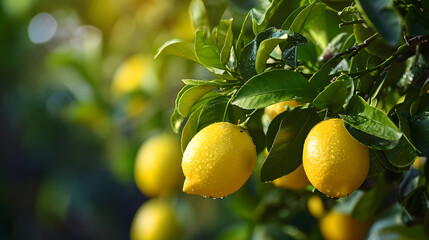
(129, 75)
(155, 220)
(294, 180)
(315, 206)
(218, 160)
(334, 162)
(337, 226)
(157, 166)
(273, 110)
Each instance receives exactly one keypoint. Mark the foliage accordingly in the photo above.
(268, 57)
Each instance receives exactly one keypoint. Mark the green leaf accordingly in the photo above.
(371, 121)
(214, 111)
(207, 52)
(190, 128)
(306, 16)
(372, 201)
(417, 202)
(419, 126)
(190, 97)
(176, 121)
(286, 153)
(262, 13)
(289, 20)
(384, 17)
(321, 78)
(335, 95)
(375, 167)
(239, 45)
(199, 16)
(402, 155)
(215, 10)
(273, 87)
(225, 42)
(178, 48)
(380, 156)
(209, 83)
(264, 51)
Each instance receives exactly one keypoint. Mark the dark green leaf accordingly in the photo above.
(382, 160)
(372, 121)
(417, 202)
(375, 167)
(273, 87)
(214, 10)
(286, 153)
(402, 155)
(190, 128)
(372, 201)
(419, 126)
(321, 78)
(371, 140)
(335, 95)
(289, 20)
(306, 16)
(178, 48)
(384, 17)
(214, 111)
(408, 184)
(225, 40)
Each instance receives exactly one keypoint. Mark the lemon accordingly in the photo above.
(155, 220)
(273, 110)
(294, 180)
(334, 162)
(315, 206)
(337, 226)
(129, 76)
(157, 166)
(218, 160)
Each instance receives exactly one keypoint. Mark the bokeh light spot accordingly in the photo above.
(42, 28)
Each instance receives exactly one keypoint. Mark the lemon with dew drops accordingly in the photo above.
(218, 160)
(157, 167)
(338, 226)
(334, 162)
(156, 219)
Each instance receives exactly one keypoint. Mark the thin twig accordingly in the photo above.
(355, 49)
(350, 22)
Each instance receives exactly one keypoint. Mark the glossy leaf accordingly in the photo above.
(321, 78)
(273, 87)
(214, 111)
(384, 17)
(190, 128)
(306, 16)
(207, 51)
(419, 126)
(178, 48)
(371, 121)
(402, 155)
(247, 60)
(190, 97)
(286, 153)
(264, 51)
(335, 95)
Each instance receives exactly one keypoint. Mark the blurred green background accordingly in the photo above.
(70, 125)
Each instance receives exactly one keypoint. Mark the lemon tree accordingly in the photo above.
(356, 119)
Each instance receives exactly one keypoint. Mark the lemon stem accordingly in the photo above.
(249, 116)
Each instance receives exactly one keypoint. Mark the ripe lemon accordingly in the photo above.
(129, 76)
(294, 180)
(337, 226)
(273, 110)
(334, 162)
(157, 167)
(218, 160)
(315, 206)
(155, 220)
